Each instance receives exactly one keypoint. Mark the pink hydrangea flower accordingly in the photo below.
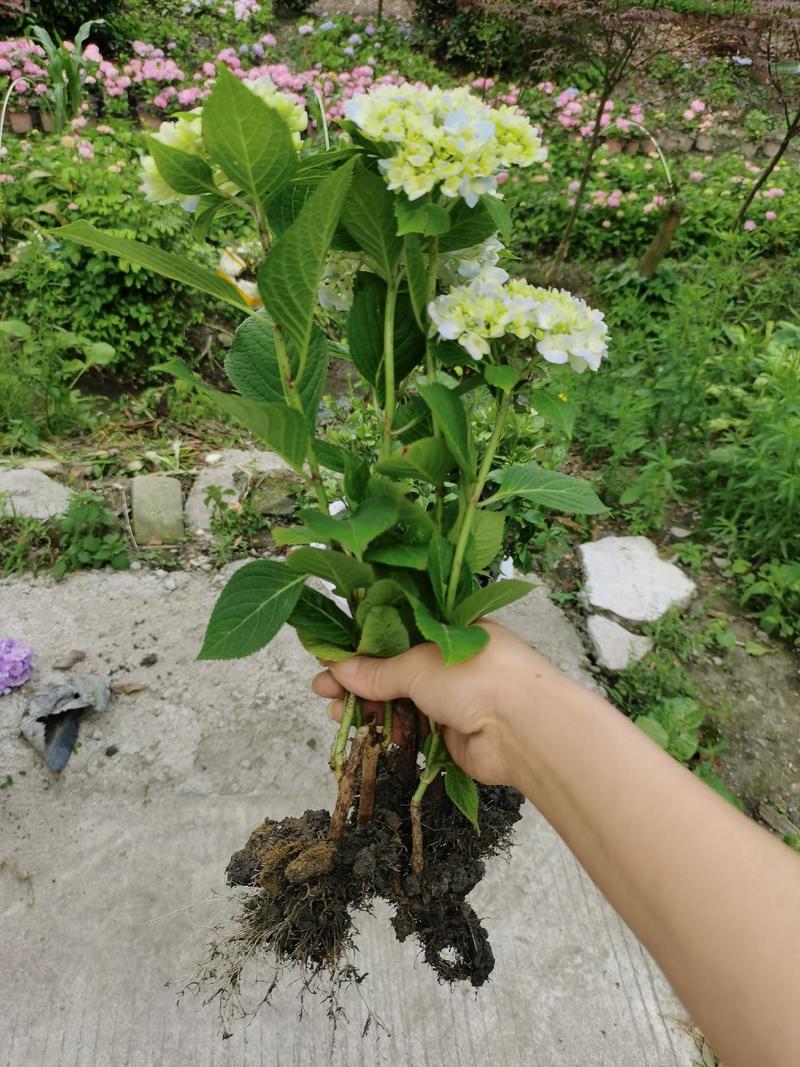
(750, 225)
(770, 215)
(696, 176)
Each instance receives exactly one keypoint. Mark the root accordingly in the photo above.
(369, 772)
(347, 786)
(417, 861)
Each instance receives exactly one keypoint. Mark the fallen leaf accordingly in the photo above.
(128, 687)
(753, 648)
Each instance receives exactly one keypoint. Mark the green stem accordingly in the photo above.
(388, 722)
(342, 735)
(472, 504)
(293, 399)
(433, 266)
(388, 368)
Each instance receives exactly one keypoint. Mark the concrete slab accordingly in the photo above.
(112, 874)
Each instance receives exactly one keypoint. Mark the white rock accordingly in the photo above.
(232, 468)
(626, 576)
(615, 648)
(32, 494)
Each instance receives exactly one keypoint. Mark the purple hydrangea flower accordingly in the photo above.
(327, 25)
(370, 30)
(348, 51)
(16, 664)
(354, 38)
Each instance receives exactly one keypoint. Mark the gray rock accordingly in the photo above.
(679, 533)
(615, 648)
(51, 719)
(703, 143)
(41, 463)
(626, 576)
(236, 471)
(157, 509)
(31, 494)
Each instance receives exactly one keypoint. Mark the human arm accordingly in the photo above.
(714, 897)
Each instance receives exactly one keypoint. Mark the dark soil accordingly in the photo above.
(306, 889)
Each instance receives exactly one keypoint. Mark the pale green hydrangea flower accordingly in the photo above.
(335, 290)
(467, 263)
(445, 139)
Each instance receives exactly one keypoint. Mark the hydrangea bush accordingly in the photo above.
(401, 226)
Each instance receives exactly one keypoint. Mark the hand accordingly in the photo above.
(475, 702)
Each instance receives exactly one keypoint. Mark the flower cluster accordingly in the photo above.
(468, 263)
(16, 664)
(338, 278)
(564, 327)
(445, 139)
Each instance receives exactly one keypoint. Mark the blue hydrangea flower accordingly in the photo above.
(16, 664)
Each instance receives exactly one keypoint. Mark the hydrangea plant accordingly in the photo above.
(400, 226)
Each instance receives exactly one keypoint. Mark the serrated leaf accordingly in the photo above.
(417, 277)
(323, 650)
(253, 368)
(318, 616)
(420, 216)
(383, 633)
(463, 792)
(185, 173)
(490, 598)
(447, 407)
(355, 531)
(383, 593)
(487, 539)
(289, 277)
(368, 215)
(247, 138)
(501, 376)
(365, 329)
(559, 412)
(278, 425)
(167, 264)
(346, 573)
(401, 555)
(468, 227)
(456, 643)
(654, 730)
(252, 607)
(429, 459)
(548, 489)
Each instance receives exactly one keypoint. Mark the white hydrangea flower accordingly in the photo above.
(445, 138)
(335, 290)
(468, 263)
(564, 327)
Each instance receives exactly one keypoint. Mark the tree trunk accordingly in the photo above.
(663, 239)
(791, 132)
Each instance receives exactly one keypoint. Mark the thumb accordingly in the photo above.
(382, 679)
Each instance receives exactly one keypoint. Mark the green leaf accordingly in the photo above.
(417, 278)
(182, 171)
(383, 633)
(347, 574)
(560, 412)
(400, 555)
(440, 564)
(447, 407)
(468, 226)
(429, 459)
(278, 425)
(463, 792)
(487, 538)
(548, 489)
(456, 643)
(383, 593)
(355, 531)
(705, 774)
(253, 368)
(753, 648)
(368, 215)
(167, 264)
(365, 328)
(247, 138)
(15, 328)
(654, 730)
(420, 216)
(500, 214)
(501, 377)
(323, 650)
(289, 277)
(318, 616)
(490, 598)
(251, 609)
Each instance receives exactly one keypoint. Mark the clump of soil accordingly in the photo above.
(305, 889)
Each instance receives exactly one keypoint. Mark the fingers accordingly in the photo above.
(371, 709)
(385, 679)
(325, 685)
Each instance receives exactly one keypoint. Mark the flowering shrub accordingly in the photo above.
(413, 204)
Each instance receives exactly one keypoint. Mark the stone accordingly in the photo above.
(31, 494)
(679, 533)
(616, 648)
(626, 577)
(44, 464)
(235, 471)
(156, 503)
(703, 143)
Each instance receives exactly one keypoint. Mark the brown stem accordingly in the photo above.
(406, 713)
(369, 772)
(662, 240)
(417, 862)
(347, 786)
(792, 129)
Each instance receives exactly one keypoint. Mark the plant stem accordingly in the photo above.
(792, 129)
(472, 504)
(343, 734)
(369, 772)
(347, 786)
(388, 368)
(388, 723)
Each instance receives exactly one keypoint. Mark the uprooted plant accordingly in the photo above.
(398, 227)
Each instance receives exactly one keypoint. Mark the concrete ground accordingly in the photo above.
(112, 874)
